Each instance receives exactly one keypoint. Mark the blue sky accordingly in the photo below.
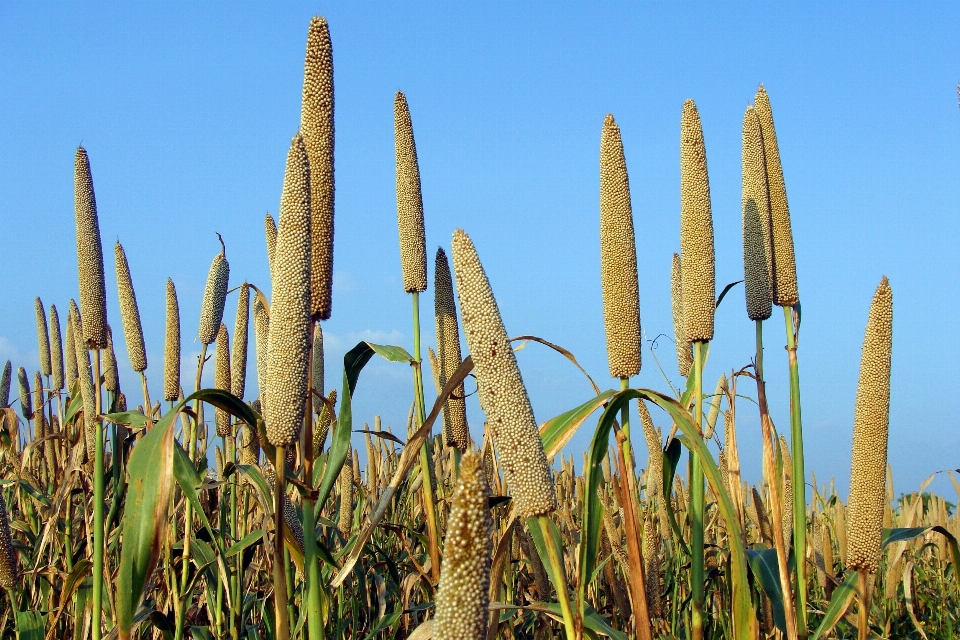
(187, 110)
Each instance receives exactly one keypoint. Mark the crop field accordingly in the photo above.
(267, 509)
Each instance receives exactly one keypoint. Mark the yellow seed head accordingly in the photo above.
(23, 384)
(9, 568)
(413, 244)
(111, 378)
(93, 293)
(345, 522)
(129, 313)
(684, 350)
(261, 340)
(503, 396)
(271, 232)
(870, 426)
(317, 373)
(238, 360)
(455, 430)
(757, 250)
(248, 445)
(316, 126)
(56, 349)
(214, 298)
(696, 230)
(655, 450)
(5, 385)
(71, 346)
(221, 377)
(618, 257)
(463, 596)
(784, 277)
(289, 340)
(43, 338)
(87, 390)
(171, 346)
(324, 420)
(786, 495)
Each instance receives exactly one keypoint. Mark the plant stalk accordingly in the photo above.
(555, 558)
(799, 477)
(97, 506)
(280, 596)
(427, 486)
(697, 497)
(310, 563)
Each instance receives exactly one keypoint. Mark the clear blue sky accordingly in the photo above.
(187, 111)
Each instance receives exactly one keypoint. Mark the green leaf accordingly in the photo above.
(76, 404)
(340, 443)
(767, 571)
(539, 527)
(724, 292)
(188, 480)
(260, 486)
(592, 514)
(227, 402)
(839, 603)
(891, 536)
(128, 418)
(391, 353)
(145, 515)
(671, 458)
(557, 432)
(30, 625)
(248, 540)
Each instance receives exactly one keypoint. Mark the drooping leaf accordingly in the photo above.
(557, 432)
(149, 487)
(763, 563)
(839, 603)
(249, 539)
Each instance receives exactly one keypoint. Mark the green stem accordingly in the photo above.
(697, 502)
(759, 357)
(625, 423)
(799, 476)
(555, 558)
(282, 628)
(310, 561)
(430, 511)
(97, 507)
(188, 510)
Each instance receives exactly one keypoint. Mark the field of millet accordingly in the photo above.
(221, 513)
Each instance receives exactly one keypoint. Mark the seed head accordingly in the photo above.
(786, 499)
(684, 349)
(37, 394)
(171, 346)
(696, 230)
(248, 445)
(238, 361)
(413, 244)
(43, 339)
(214, 298)
(316, 126)
(503, 396)
(93, 293)
(87, 390)
(870, 426)
(289, 511)
(271, 232)
(26, 406)
(129, 313)
(71, 346)
(261, 337)
(655, 450)
(317, 373)
(221, 377)
(9, 568)
(757, 250)
(5, 386)
(290, 337)
(784, 276)
(455, 430)
(463, 595)
(345, 522)
(324, 420)
(56, 349)
(618, 257)
(111, 378)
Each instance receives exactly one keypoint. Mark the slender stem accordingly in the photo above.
(637, 582)
(279, 574)
(863, 617)
(311, 564)
(427, 487)
(148, 408)
(97, 505)
(555, 558)
(697, 502)
(192, 454)
(759, 356)
(799, 476)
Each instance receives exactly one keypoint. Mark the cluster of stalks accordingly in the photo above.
(218, 513)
